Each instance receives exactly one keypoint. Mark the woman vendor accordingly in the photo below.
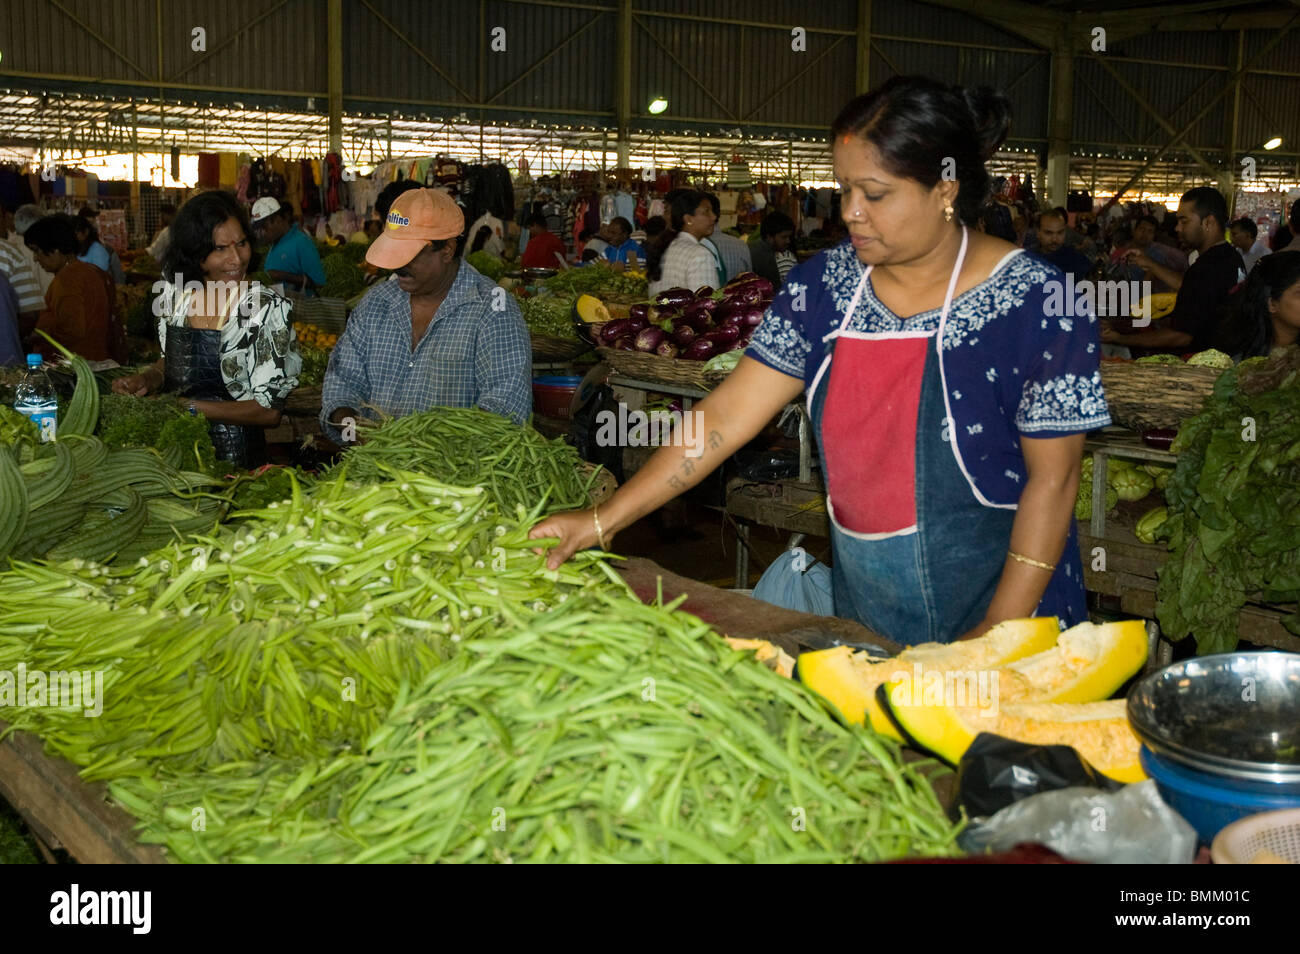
(229, 351)
(949, 395)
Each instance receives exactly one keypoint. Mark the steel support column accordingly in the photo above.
(1228, 173)
(623, 84)
(864, 47)
(1060, 121)
(334, 37)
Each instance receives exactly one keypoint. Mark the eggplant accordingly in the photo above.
(1161, 438)
(724, 337)
(751, 317)
(733, 319)
(750, 295)
(674, 296)
(613, 330)
(704, 291)
(705, 306)
(744, 278)
(649, 338)
(666, 349)
(684, 336)
(701, 349)
(636, 324)
(625, 343)
(763, 285)
(640, 311)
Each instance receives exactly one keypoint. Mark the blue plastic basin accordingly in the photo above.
(1210, 803)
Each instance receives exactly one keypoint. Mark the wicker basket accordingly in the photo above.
(551, 348)
(653, 368)
(1143, 396)
(328, 313)
(604, 485)
(303, 402)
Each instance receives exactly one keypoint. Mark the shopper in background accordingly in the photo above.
(1293, 223)
(158, 247)
(20, 272)
(494, 219)
(1266, 312)
(229, 351)
(11, 346)
(95, 252)
(545, 249)
(437, 335)
(731, 251)
(678, 258)
(1245, 239)
(7, 231)
(1203, 292)
(24, 218)
(292, 258)
(1052, 247)
(78, 306)
(1159, 263)
(593, 242)
(769, 248)
(621, 244)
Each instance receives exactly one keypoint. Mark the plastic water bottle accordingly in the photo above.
(35, 398)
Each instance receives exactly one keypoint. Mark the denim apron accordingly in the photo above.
(917, 558)
(193, 370)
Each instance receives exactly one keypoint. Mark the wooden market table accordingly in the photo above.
(63, 811)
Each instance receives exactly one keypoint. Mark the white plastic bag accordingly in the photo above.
(1130, 826)
(796, 581)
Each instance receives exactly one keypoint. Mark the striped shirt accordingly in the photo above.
(687, 263)
(734, 253)
(22, 276)
(475, 353)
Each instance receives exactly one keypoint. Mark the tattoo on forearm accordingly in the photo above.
(715, 440)
(675, 482)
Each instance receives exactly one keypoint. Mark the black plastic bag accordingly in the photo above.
(996, 771)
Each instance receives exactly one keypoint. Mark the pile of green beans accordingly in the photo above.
(470, 447)
(388, 672)
(288, 634)
(603, 731)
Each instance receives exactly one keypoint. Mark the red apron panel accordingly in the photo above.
(869, 431)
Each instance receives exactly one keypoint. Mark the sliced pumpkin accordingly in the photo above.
(773, 657)
(591, 309)
(848, 679)
(1089, 662)
(1098, 731)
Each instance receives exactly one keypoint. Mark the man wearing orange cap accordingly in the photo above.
(438, 334)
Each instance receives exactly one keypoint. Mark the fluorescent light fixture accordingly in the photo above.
(657, 105)
(1273, 143)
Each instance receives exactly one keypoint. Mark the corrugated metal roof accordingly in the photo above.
(1105, 114)
(1268, 110)
(824, 14)
(912, 19)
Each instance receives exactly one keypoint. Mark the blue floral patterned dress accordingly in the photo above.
(918, 422)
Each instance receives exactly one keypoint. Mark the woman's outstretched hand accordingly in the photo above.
(576, 531)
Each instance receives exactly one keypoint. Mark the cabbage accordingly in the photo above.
(1211, 359)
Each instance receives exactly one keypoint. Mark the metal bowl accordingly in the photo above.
(540, 274)
(1233, 715)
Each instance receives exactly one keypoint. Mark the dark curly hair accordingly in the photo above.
(917, 123)
(1249, 331)
(190, 235)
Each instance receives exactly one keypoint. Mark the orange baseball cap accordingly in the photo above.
(418, 216)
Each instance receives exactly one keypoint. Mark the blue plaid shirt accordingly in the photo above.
(475, 353)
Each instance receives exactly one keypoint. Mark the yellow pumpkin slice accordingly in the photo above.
(848, 679)
(591, 309)
(1089, 662)
(1098, 731)
(773, 657)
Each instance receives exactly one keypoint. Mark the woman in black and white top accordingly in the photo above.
(677, 258)
(229, 349)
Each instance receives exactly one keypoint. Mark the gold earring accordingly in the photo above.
(947, 212)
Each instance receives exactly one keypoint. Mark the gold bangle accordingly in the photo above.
(1049, 567)
(595, 519)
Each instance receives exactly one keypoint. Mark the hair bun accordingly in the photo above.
(990, 113)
